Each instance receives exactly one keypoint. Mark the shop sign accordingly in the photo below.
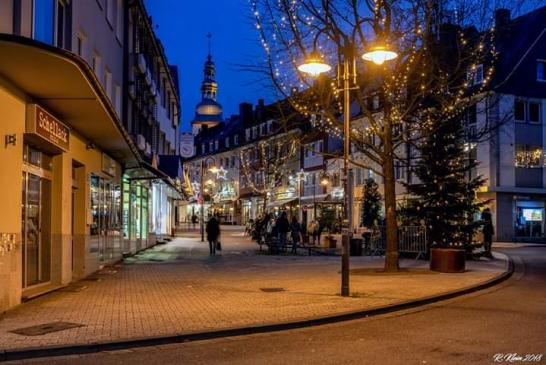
(108, 165)
(49, 128)
(337, 193)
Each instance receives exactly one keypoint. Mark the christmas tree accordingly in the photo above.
(444, 198)
(371, 203)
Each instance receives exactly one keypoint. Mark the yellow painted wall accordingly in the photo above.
(12, 121)
(12, 116)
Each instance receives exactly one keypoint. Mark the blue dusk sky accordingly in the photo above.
(182, 26)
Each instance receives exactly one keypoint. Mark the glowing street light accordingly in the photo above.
(314, 65)
(378, 54)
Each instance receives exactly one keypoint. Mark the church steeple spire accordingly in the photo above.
(208, 112)
(209, 87)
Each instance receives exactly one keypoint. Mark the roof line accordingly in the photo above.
(522, 58)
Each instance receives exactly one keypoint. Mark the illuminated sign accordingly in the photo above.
(46, 126)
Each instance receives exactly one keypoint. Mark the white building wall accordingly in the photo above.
(103, 38)
(507, 172)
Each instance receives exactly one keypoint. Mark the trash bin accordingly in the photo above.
(356, 247)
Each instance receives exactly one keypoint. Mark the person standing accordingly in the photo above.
(283, 226)
(487, 231)
(213, 232)
(295, 231)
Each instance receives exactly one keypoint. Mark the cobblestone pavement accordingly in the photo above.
(178, 288)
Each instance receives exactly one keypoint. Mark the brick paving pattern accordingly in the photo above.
(177, 288)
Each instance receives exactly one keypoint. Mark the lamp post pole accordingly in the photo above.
(346, 231)
(314, 66)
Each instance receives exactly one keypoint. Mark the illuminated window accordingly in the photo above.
(541, 70)
(528, 156)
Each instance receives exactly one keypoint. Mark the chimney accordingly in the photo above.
(260, 110)
(502, 17)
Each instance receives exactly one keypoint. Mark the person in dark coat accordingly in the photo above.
(213, 232)
(295, 232)
(283, 226)
(487, 231)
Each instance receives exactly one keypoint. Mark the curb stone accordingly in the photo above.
(94, 347)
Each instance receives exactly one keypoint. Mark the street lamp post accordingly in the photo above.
(315, 66)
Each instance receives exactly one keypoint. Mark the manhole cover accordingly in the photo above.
(46, 328)
(271, 290)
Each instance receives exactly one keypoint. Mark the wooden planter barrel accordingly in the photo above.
(447, 260)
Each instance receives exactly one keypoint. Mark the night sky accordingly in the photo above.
(182, 26)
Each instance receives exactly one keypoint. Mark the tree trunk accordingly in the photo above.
(391, 226)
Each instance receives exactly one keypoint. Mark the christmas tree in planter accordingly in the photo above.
(371, 204)
(444, 198)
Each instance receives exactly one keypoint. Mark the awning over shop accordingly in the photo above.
(146, 171)
(65, 85)
(310, 200)
(280, 202)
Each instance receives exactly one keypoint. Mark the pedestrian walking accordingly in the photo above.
(213, 232)
(312, 230)
(487, 231)
(295, 231)
(283, 226)
(193, 221)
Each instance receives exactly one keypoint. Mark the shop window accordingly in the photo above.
(529, 219)
(37, 158)
(43, 20)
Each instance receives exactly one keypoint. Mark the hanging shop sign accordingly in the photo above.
(47, 128)
(108, 165)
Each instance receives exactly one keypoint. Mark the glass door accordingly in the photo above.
(36, 203)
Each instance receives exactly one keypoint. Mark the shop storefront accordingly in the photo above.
(61, 166)
(529, 221)
(251, 208)
(163, 205)
(135, 215)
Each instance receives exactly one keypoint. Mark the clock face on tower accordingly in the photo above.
(186, 150)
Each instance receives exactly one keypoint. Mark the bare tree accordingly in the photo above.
(446, 56)
(263, 164)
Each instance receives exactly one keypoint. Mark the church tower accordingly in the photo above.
(208, 112)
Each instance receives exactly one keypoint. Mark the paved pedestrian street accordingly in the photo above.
(177, 288)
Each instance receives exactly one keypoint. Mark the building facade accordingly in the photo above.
(68, 151)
